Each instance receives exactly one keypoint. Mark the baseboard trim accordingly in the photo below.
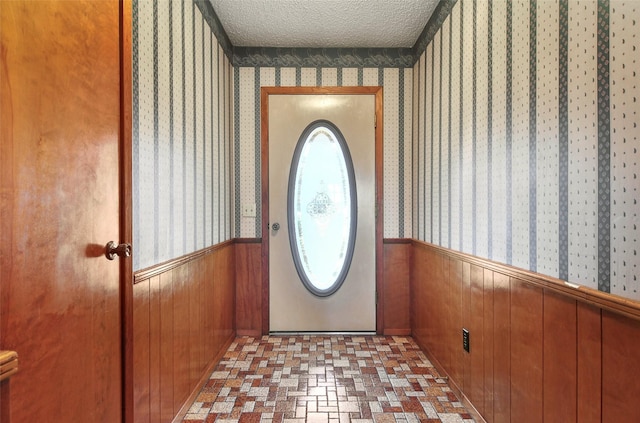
(397, 332)
(249, 332)
(203, 380)
(452, 383)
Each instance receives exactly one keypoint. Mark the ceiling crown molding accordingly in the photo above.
(323, 57)
(326, 57)
(212, 19)
(442, 12)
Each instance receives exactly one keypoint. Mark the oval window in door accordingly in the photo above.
(322, 208)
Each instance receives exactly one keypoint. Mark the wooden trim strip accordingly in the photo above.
(264, 186)
(397, 241)
(247, 240)
(452, 383)
(379, 219)
(397, 332)
(255, 333)
(204, 378)
(322, 90)
(603, 300)
(158, 269)
(126, 206)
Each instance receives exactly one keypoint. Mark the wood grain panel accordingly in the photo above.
(488, 341)
(228, 320)
(526, 352)
(455, 295)
(436, 318)
(589, 366)
(224, 296)
(449, 331)
(415, 287)
(466, 321)
(560, 373)
(198, 275)
(476, 331)
(218, 299)
(154, 349)
(397, 270)
(422, 299)
(206, 304)
(210, 280)
(620, 368)
(5, 404)
(195, 298)
(141, 353)
(502, 348)
(180, 336)
(429, 299)
(249, 295)
(167, 403)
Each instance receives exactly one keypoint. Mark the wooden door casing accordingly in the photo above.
(60, 185)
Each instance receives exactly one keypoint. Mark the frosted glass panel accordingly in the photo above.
(322, 208)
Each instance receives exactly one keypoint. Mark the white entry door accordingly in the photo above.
(329, 208)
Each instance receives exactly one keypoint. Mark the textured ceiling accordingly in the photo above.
(324, 23)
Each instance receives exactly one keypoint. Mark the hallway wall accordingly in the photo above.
(183, 322)
(287, 69)
(182, 120)
(538, 350)
(183, 301)
(525, 143)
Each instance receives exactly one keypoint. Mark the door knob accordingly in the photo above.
(275, 226)
(112, 250)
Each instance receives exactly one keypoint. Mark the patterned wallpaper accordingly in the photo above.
(182, 145)
(509, 133)
(397, 94)
(525, 138)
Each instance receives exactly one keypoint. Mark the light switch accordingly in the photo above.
(249, 210)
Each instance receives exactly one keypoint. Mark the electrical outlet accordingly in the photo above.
(249, 210)
(465, 339)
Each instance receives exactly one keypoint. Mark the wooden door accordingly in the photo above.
(60, 187)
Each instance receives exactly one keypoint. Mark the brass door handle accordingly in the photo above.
(112, 250)
(8, 364)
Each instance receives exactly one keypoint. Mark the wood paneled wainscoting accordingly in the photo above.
(540, 350)
(183, 322)
(249, 299)
(252, 318)
(395, 294)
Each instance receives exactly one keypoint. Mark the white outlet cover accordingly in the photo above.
(249, 210)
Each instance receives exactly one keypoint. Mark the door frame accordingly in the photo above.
(126, 206)
(265, 92)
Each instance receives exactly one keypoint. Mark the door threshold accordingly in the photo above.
(322, 333)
